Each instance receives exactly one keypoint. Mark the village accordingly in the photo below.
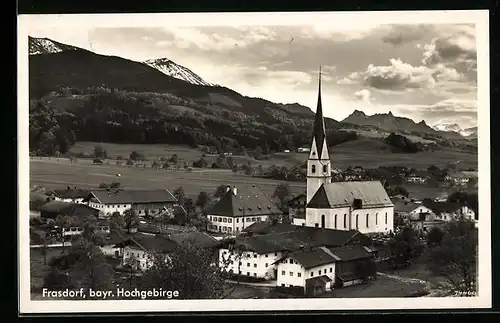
(346, 229)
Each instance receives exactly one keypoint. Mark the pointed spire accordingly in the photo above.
(319, 122)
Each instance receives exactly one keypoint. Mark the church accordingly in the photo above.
(354, 205)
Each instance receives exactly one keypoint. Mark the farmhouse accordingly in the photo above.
(297, 209)
(364, 205)
(71, 194)
(448, 211)
(321, 269)
(412, 211)
(255, 254)
(239, 208)
(419, 177)
(144, 202)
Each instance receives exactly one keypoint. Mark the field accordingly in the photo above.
(58, 173)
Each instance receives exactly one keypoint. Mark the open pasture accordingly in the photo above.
(57, 173)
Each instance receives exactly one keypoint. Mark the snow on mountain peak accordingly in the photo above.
(172, 69)
(447, 127)
(47, 46)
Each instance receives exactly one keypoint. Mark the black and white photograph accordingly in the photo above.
(254, 161)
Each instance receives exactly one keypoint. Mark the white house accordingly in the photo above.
(412, 211)
(144, 202)
(249, 263)
(447, 211)
(239, 208)
(71, 194)
(76, 228)
(363, 206)
(139, 249)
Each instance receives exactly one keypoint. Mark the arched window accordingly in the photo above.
(345, 220)
(313, 169)
(325, 169)
(376, 218)
(357, 221)
(335, 225)
(385, 217)
(367, 216)
(322, 220)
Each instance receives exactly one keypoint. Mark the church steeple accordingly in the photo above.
(319, 132)
(318, 164)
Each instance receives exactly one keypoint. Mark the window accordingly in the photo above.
(255, 255)
(266, 264)
(299, 275)
(376, 218)
(237, 229)
(316, 225)
(385, 217)
(319, 272)
(224, 228)
(312, 274)
(313, 169)
(237, 220)
(248, 264)
(229, 229)
(335, 224)
(345, 220)
(224, 220)
(254, 219)
(357, 221)
(367, 215)
(325, 169)
(322, 220)
(283, 273)
(324, 271)
(275, 253)
(239, 263)
(266, 255)
(254, 265)
(255, 274)
(249, 255)
(291, 273)
(331, 269)
(248, 274)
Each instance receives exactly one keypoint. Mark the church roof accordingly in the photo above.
(343, 194)
(319, 132)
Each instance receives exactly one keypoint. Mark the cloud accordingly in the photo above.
(363, 95)
(398, 76)
(403, 34)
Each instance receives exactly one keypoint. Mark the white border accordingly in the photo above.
(479, 17)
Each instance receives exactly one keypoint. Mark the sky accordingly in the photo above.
(420, 71)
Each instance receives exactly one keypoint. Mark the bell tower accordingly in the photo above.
(319, 169)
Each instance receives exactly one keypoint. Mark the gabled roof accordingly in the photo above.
(404, 206)
(348, 253)
(317, 281)
(69, 209)
(441, 207)
(343, 194)
(249, 200)
(312, 258)
(149, 243)
(195, 237)
(72, 193)
(133, 196)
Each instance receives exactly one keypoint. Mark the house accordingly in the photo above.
(71, 194)
(363, 205)
(239, 208)
(297, 209)
(418, 177)
(111, 239)
(448, 211)
(255, 253)
(139, 249)
(463, 177)
(52, 209)
(144, 202)
(412, 211)
(321, 269)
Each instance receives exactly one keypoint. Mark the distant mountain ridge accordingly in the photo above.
(38, 46)
(170, 68)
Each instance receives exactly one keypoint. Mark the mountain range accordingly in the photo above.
(453, 127)
(119, 96)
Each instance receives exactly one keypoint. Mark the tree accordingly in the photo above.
(189, 269)
(220, 191)
(130, 218)
(116, 220)
(405, 246)
(180, 195)
(132, 264)
(136, 156)
(455, 258)
(174, 159)
(63, 222)
(282, 193)
(397, 190)
(434, 237)
(189, 205)
(100, 152)
(202, 200)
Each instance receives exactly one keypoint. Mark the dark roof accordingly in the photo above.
(440, 207)
(348, 253)
(72, 193)
(317, 281)
(196, 237)
(312, 258)
(249, 200)
(404, 205)
(319, 132)
(38, 197)
(296, 199)
(149, 242)
(343, 194)
(69, 208)
(147, 228)
(133, 196)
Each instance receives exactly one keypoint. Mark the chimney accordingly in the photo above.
(228, 187)
(235, 191)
